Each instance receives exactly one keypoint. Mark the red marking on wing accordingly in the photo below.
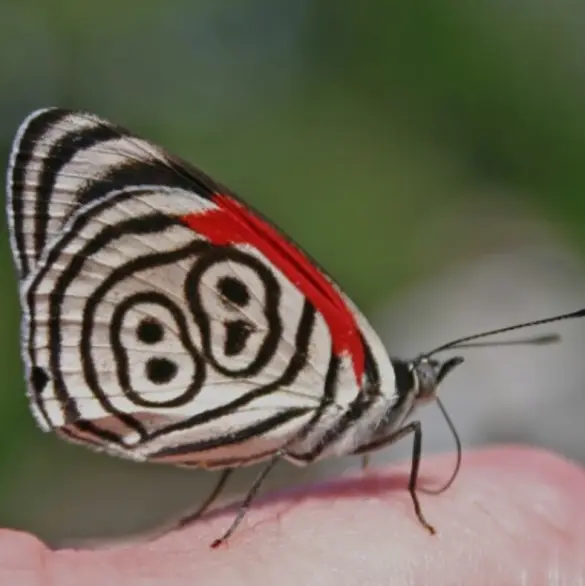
(233, 223)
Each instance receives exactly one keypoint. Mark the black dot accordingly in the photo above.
(237, 334)
(149, 331)
(234, 290)
(38, 379)
(160, 370)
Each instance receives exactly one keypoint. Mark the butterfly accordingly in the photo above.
(166, 320)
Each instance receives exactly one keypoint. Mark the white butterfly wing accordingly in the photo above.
(150, 329)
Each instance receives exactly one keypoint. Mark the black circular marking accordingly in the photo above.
(234, 290)
(272, 292)
(150, 331)
(161, 371)
(158, 370)
(38, 379)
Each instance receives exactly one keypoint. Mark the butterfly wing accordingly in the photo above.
(162, 317)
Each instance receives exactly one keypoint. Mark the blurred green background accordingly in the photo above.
(387, 138)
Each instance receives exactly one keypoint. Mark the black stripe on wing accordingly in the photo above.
(358, 408)
(242, 435)
(30, 132)
(49, 178)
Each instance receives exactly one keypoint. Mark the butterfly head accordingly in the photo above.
(427, 375)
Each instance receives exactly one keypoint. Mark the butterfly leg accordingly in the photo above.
(249, 498)
(416, 429)
(191, 517)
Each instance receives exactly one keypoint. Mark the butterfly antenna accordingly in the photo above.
(462, 342)
(543, 340)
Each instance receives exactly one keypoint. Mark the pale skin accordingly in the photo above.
(513, 516)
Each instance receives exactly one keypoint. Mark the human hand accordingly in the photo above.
(513, 516)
